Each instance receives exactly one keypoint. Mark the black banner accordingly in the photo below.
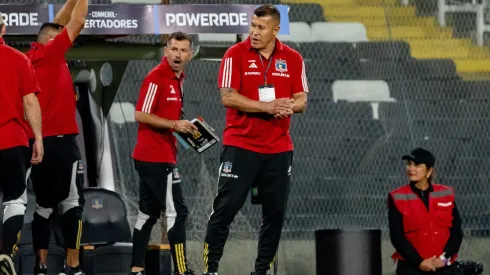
(132, 19)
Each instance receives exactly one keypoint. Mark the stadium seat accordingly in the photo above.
(328, 52)
(423, 69)
(344, 127)
(106, 239)
(328, 110)
(201, 70)
(321, 70)
(433, 89)
(122, 112)
(214, 38)
(383, 50)
(298, 32)
(362, 90)
(306, 12)
(339, 32)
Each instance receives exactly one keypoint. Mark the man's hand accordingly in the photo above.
(184, 126)
(37, 152)
(280, 106)
(438, 263)
(428, 265)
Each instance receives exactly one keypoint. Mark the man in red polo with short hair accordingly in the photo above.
(159, 114)
(62, 164)
(262, 82)
(18, 86)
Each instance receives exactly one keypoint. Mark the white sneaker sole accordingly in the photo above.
(10, 269)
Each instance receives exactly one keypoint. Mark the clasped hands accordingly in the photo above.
(431, 264)
(280, 108)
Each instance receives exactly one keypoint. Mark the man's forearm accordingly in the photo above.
(63, 16)
(231, 98)
(33, 115)
(299, 102)
(154, 121)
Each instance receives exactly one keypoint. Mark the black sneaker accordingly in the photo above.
(40, 270)
(6, 265)
(137, 273)
(255, 273)
(214, 273)
(74, 270)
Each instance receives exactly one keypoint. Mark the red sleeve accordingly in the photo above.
(230, 72)
(60, 45)
(29, 79)
(148, 98)
(299, 81)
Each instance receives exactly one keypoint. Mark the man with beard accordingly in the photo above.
(159, 114)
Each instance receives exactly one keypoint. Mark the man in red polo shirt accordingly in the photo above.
(18, 86)
(262, 82)
(59, 171)
(159, 114)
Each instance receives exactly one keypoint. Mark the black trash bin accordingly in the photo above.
(348, 252)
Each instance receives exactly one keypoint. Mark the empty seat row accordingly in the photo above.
(324, 31)
(343, 51)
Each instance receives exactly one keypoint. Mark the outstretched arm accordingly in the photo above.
(64, 14)
(77, 19)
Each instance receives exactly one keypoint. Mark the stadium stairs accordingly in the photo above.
(388, 20)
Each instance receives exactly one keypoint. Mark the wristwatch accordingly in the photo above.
(447, 261)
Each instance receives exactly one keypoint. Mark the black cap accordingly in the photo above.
(420, 155)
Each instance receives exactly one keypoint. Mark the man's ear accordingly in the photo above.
(276, 30)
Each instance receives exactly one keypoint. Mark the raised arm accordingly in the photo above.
(64, 14)
(77, 19)
(59, 46)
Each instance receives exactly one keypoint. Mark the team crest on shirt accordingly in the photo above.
(172, 90)
(227, 167)
(281, 65)
(97, 203)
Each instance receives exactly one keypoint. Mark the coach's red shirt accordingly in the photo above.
(17, 80)
(242, 70)
(160, 95)
(58, 99)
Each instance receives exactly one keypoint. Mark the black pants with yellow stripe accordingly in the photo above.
(160, 190)
(240, 171)
(58, 186)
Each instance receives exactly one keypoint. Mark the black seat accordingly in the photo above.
(105, 225)
(306, 13)
(383, 50)
(425, 69)
(328, 51)
(106, 238)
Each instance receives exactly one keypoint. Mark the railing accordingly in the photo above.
(477, 6)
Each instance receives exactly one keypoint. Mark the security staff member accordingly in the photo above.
(262, 82)
(18, 86)
(159, 114)
(425, 226)
(59, 170)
